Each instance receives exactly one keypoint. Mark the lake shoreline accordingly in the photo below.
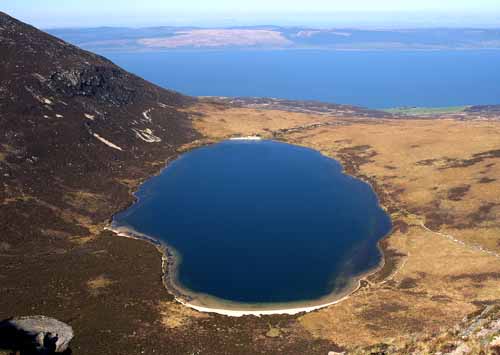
(212, 304)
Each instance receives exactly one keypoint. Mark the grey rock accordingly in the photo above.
(462, 349)
(43, 334)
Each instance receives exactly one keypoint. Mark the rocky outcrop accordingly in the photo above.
(95, 81)
(36, 334)
(476, 334)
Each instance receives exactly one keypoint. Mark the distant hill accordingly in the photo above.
(163, 38)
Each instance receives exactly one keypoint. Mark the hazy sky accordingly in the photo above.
(80, 13)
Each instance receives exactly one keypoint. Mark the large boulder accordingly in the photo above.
(39, 334)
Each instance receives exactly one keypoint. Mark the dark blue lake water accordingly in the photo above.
(261, 222)
(371, 79)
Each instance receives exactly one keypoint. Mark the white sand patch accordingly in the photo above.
(108, 143)
(38, 97)
(40, 77)
(89, 116)
(132, 234)
(128, 233)
(33, 93)
(147, 116)
(146, 135)
(248, 138)
(258, 313)
(162, 105)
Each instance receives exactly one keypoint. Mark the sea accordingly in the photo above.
(373, 79)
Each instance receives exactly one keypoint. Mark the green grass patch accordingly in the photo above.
(416, 111)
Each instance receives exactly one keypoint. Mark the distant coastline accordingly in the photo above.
(279, 38)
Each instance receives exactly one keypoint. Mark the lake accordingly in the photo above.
(260, 223)
(373, 79)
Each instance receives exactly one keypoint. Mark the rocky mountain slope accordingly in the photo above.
(69, 118)
(476, 334)
(77, 134)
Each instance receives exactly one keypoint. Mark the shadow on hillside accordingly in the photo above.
(15, 342)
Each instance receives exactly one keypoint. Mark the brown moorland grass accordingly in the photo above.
(438, 180)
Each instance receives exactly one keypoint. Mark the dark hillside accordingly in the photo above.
(70, 119)
(77, 133)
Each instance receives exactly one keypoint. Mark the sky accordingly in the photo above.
(335, 13)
